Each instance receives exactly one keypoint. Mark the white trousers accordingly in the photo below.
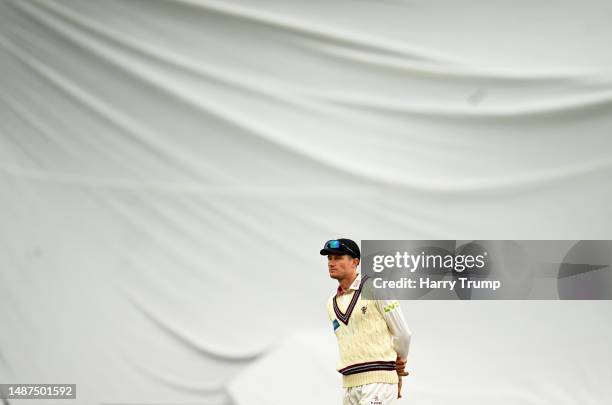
(371, 394)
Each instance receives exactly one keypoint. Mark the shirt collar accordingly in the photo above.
(353, 286)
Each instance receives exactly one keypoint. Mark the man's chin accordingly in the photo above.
(334, 276)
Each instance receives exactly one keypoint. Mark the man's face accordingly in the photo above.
(341, 266)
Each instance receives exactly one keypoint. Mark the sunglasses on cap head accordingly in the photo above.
(335, 244)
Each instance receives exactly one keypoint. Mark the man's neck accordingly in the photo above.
(346, 282)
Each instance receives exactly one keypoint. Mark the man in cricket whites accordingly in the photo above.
(373, 338)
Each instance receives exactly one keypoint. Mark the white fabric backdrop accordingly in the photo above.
(169, 170)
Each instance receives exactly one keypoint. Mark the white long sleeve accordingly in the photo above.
(393, 316)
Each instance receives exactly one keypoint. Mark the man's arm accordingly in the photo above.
(393, 316)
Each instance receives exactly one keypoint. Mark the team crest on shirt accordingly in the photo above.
(364, 309)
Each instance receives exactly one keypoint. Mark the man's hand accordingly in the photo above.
(400, 366)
